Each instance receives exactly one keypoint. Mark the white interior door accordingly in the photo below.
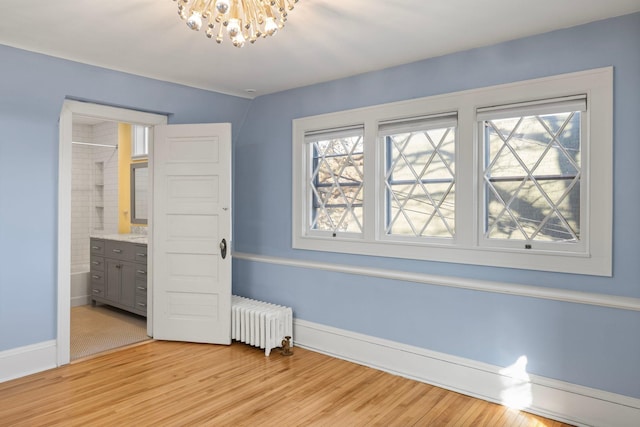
(192, 233)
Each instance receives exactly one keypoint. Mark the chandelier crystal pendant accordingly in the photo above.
(242, 19)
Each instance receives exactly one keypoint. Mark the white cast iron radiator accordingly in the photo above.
(260, 324)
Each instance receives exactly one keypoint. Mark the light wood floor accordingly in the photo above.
(164, 383)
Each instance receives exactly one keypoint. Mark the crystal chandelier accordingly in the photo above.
(242, 20)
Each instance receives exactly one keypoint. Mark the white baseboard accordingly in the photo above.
(510, 386)
(22, 361)
(81, 300)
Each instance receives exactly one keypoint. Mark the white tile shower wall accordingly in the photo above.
(80, 207)
(107, 133)
(82, 133)
(81, 156)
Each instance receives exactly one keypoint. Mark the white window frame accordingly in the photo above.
(593, 256)
(309, 138)
(449, 119)
(574, 103)
(139, 138)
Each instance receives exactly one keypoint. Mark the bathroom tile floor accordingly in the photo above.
(102, 328)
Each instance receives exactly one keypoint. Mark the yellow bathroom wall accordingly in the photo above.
(124, 178)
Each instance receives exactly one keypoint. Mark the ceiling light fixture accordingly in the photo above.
(243, 19)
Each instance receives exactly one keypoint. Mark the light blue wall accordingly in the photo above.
(32, 90)
(593, 346)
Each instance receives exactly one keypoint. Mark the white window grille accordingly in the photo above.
(532, 170)
(336, 181)
(420, 176)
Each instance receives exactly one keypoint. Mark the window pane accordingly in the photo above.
(140, 141)
(337, 185)
(420, 183)
(532, 177)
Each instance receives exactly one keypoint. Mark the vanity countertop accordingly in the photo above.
(132, 238)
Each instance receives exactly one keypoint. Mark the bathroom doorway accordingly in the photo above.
(104, 154)
(93, 189)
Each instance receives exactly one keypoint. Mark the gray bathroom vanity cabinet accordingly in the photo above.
(119, 274)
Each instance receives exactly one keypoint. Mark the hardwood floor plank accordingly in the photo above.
(164, 383)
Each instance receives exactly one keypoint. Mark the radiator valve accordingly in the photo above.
(286, 346)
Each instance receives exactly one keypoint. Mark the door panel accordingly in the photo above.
(192, 214)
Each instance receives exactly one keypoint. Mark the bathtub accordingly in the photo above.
(80, 285)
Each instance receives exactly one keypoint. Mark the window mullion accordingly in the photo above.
(466, 168)
(373, 185)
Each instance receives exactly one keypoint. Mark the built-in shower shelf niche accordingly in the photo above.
(98, 196)
(98, 219)
(98, 173)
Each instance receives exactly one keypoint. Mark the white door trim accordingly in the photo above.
(69, 108)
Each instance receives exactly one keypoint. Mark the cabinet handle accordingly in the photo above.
(96, 291)
(118, 251)
(96, 276)
(95, 262)
(95, 248)
(142, 272)
(141, 288)
(142, 304)
(141, 255)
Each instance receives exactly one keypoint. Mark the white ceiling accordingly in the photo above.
(322, 40)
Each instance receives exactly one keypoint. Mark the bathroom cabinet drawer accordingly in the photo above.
(141, 297)
(97, 290)
(97, 247)
(97, 263)
(141, 271)
(119, 250)
(140, 253)
(141, 303)
(97, 277)
(141, 288)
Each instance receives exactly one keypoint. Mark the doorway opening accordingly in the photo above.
(71, 281)
(108, 200)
